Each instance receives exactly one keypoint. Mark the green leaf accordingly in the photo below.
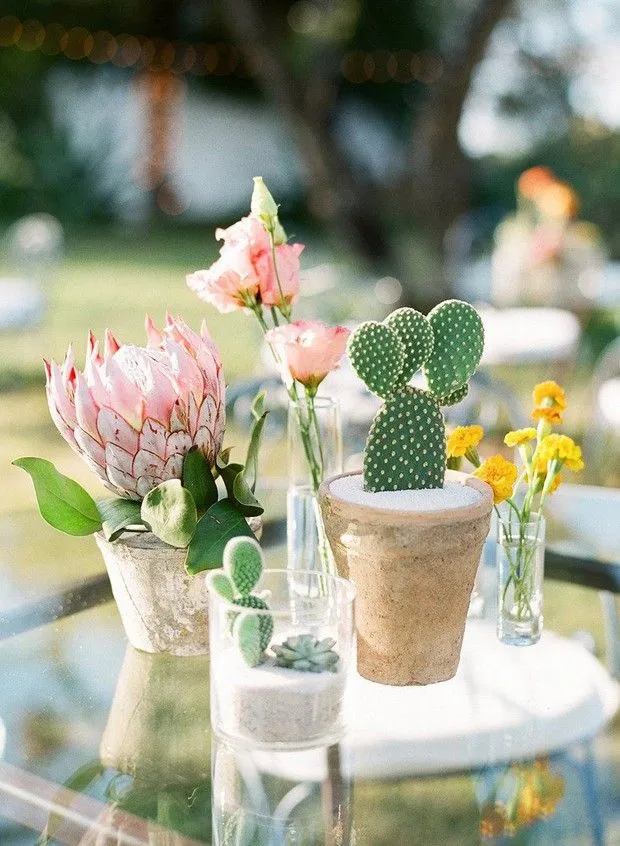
(117, 514)
(239, 492)
(170, 511)
(222, 522)
(244, 497)
(222, 460)
(198, 479)
(220, 583)
(250, 472)
(63, 503)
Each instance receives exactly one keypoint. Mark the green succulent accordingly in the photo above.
(405, 449)
(304, 652)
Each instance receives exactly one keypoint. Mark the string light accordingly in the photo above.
(155, 54)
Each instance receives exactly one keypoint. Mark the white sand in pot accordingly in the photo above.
(452, 495)
(271, 704)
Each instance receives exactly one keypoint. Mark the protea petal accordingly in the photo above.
(147, 464)
(153, 437)
(86, 409)
(111, 344)
(89, 446)
(118, 458)
(57, 393)
(114, 429)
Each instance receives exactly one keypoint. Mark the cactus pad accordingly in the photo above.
(222, 585)
(378, 356)
(416, 336)
(458, 343)
(265, 621)
(247, 634)
(455, 397)
(243, 562)
(406, 444)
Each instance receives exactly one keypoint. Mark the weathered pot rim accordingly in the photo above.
(137, 540)
(388, 516)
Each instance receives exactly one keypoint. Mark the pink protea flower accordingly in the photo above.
(309, 349)
(135, 412)
(245, 269)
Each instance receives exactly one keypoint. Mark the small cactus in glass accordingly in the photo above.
(406, 449)
(243, 567)
(307, 654)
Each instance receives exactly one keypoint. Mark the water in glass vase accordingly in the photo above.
(315, 453)
(520, 571)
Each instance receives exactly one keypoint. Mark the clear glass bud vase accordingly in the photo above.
(315, 453)
(520, 572)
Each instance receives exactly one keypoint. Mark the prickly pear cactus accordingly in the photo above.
(243, 566)
(406, 443)
(243, 563)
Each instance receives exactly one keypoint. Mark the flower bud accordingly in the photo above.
(264, 207)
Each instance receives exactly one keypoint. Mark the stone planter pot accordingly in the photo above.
(414, 572)
(163, 609)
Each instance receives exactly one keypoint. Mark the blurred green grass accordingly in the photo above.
(113, 280)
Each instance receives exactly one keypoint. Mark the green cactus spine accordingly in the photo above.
(406, 443)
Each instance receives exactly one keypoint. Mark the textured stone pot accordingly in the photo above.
(163, 609)
(414, 572)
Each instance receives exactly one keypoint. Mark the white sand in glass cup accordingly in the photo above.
(268, 704)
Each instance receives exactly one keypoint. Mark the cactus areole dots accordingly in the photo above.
(405, 449)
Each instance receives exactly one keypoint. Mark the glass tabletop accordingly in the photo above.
(107, 745)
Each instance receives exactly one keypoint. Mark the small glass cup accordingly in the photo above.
(269, 705)
(520, 574)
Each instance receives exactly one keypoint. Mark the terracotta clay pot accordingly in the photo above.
(414, 572)
(162, 607)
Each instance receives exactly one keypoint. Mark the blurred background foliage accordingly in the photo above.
(407, 115)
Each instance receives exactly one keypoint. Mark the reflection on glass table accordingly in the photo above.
(129, 736)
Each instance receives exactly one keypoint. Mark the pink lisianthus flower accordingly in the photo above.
(134, 412)
(245, 269)
(309, 349)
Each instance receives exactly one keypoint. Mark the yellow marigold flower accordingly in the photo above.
(520, 436)
(557, 481)
(549, 402)
(549, 390)
(500, 474)
(462, 439)
(559, 447)
(551, 415)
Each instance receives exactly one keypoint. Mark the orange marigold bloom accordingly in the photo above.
(549, 390)
(551, 415)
